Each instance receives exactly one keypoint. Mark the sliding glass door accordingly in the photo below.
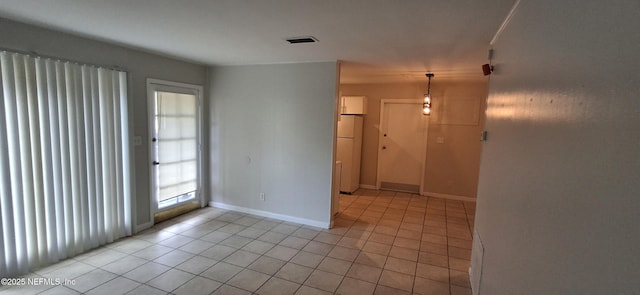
(175, 143)
(64, 160)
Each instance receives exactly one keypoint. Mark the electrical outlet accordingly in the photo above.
(261, 196)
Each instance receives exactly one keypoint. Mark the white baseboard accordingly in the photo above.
(450, 197)
(268, 214)
(368, 186)
(140, 227)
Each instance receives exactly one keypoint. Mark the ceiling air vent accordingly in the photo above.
(296, 40)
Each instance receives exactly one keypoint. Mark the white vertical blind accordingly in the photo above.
(176, 128)
(64, 160)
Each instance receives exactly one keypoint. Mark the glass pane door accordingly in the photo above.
(175, 146)
(176, 143)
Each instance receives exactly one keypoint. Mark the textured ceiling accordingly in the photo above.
(377, 40)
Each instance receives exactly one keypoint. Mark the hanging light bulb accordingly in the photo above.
(426, 102)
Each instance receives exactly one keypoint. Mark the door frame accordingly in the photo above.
(418, 103)
(163, 85)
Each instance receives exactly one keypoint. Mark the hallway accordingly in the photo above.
(419, 244)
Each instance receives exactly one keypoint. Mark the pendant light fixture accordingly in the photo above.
(426, 103)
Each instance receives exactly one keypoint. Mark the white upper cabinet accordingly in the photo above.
(353, 105)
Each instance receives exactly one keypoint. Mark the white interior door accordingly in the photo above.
(175, 144)
(402, 145)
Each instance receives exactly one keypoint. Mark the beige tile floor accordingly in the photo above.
(383, 243)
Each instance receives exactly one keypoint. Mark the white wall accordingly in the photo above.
(272, 131)
(139, 66)
(558, 208)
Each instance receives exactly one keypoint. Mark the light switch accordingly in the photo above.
(137, 140)
(440, 139)
(483, 136)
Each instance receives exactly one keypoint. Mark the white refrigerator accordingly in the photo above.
(349, 151)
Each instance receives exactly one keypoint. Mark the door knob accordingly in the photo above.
(156, 163)
(384, 147)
